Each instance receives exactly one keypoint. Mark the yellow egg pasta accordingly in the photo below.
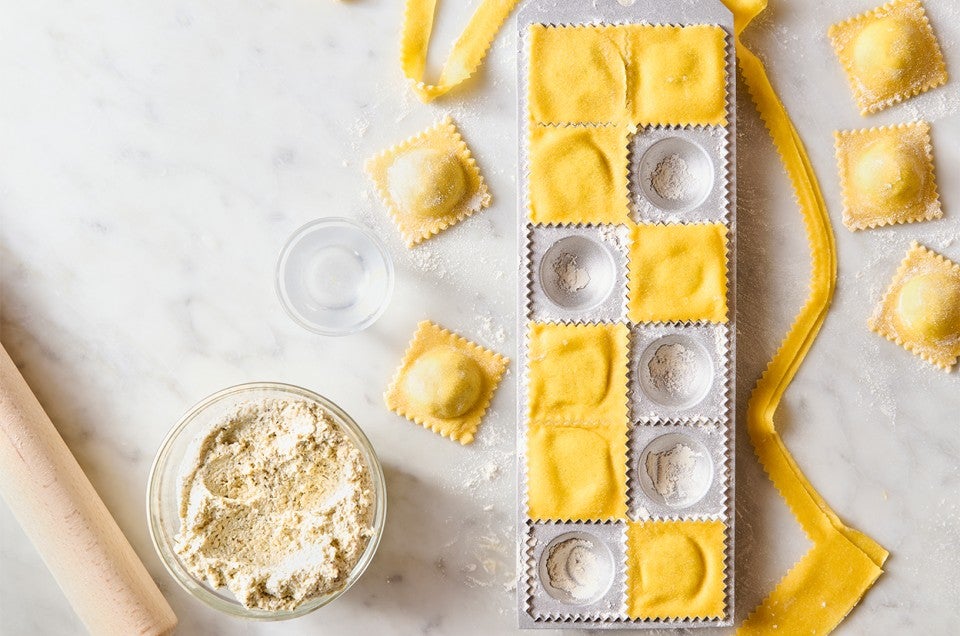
(678, 273)
(577, 472)
(887, 176)
(429, 182)
(676, 569)
(577, 373)
(594, 158)
(921, 309)
(889, 54)
(445, 382)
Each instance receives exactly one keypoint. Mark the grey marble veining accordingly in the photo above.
(155, 157)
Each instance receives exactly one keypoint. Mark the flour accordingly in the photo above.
(277, 506)
(573, 567)
(671, 178)
(673, 370)
(673, 473)
(570, 278)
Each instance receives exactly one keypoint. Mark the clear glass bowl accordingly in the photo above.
(180, 445)
(334, 277)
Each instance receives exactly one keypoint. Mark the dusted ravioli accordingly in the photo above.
(886, 175)
(445, 382)
(921, 309)
(429, 182)
(889, 54)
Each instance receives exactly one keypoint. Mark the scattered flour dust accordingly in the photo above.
(277, 505)
(673, 472)
(573, 567)
(570, 278)
(671, 178)
(673, 370)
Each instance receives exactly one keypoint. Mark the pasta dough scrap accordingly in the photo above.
(429, 182)
(445, 382)
(577, 373)
(578, 74)
(921, 309)
(676, 570)
(678, 273)
(889, 54)
(678, 75)
(578, 174)
(887, 176)
(577, 473)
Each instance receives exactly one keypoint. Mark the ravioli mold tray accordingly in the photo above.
(577, 274)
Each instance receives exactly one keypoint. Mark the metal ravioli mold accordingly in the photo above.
(675, 467)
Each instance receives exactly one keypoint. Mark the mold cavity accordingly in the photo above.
(577, 273)
(676, 174)
(576, 568)
(675, 470)
(675, 371)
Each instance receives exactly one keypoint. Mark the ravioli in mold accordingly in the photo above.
(887, 176)
(429, 182)
(921, 309)
(445, 382)
(889, 54)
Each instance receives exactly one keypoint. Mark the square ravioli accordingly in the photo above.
(886, 175)
(578, 174)
(577, 473)
(578, 74)
(889, 54)
(678, 273)
(445, 382)
(429, 182)
(577, 373)
(678, 75)
(921, 309)
(676, 570)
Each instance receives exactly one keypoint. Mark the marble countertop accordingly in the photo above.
(157, 154)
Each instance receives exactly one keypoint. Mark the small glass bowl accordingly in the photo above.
(180, 446)
(334, 277)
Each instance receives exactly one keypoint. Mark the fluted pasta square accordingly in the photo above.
(676, 569)
(886, 175)
(921, 309)
(577, 472)
(889, 54)
(579, 74)
(678, 273)
(577, 373)
(578, 174)
(678, 74)
(445, 382)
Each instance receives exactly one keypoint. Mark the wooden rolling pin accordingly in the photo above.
(101, 575)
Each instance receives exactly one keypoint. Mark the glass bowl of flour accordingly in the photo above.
(266, 501)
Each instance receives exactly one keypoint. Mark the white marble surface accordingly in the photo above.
(156, 154)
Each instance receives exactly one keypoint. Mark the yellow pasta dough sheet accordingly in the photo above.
(445, 382)
(678, 75)
(889, 54)
(429, 182)
(676, 569)
(887, 176)
(921, 309)
(578, 174)
(577, 473)
(678, 273)
(577, 373)
(628, 74)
